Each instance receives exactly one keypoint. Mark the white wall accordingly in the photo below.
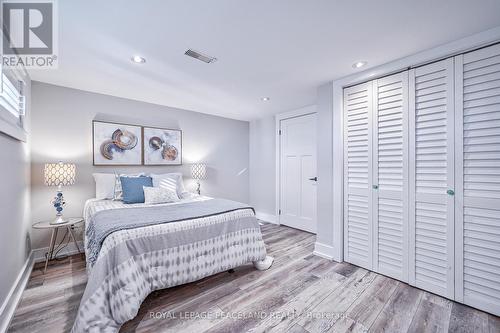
(324, 239)
(15, 222)
(262, 165)
(62, 119)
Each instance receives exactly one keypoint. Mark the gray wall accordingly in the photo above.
(262, 165)
(15, 222)
(62, 119)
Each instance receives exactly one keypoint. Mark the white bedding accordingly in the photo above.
(131, 263)
(92, 206)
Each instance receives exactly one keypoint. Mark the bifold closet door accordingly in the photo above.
(390, 176)
(358, 161)
(431, 177)
(478, 179)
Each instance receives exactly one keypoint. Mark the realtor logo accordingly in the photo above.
(29, 34)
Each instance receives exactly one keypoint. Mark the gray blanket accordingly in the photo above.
(106, 222)
(146, 253)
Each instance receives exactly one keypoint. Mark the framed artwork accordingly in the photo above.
(116, 144)
(162, 146)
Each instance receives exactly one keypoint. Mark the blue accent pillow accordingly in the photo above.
(132, 188)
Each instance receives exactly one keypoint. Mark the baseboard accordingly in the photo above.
(270, 218)
(70, 249)
(9, 306)
(324, 251)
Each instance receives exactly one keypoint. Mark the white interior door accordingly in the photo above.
(390, 176)
(478, 178)
(376, 175)
(298, 172)
(431, 106)
(358, 175)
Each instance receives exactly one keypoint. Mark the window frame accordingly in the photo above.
(10, 124)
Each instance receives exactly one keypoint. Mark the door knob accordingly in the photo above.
(315, 179)
(450, 192)
(375, 187)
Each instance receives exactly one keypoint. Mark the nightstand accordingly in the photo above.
(55, 228)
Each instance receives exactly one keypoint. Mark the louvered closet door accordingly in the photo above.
(431, 106)
(478, 179)
(390, 173)
(358, 175)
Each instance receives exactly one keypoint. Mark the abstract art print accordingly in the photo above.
(162, 146)
(116, 144)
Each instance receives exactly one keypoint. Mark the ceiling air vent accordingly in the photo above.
(200, 56)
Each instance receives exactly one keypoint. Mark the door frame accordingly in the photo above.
(304, 111)
(451, 49)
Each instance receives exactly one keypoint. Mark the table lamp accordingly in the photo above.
(59, 174)
(199, 172)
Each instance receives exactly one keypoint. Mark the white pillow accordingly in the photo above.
(104, 185)
(170, 181)
(118, 192)
(158, 195)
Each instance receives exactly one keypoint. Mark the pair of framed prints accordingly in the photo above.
(122, 144)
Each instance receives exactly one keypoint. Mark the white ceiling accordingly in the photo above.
(282, 49)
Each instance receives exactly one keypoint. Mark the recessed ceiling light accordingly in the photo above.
(265, 99)
(138, 59)
(359, 64)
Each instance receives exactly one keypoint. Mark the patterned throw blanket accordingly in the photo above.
(137, 249)
(105, 222)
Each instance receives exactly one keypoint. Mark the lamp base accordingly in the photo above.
(59, 219)
(59, 203)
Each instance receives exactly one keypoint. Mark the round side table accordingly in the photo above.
(55, 228)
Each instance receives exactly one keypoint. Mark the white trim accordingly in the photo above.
(277, 166)
(10, 124)
(411, 178)
(14, 296)
(459, 178)
(310, 109)
(9, 127)
(70, 249)
(296, 113)
(324, 251)
(270, 218)
(447, 50)
(450, 156)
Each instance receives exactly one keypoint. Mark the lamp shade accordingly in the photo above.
(60, 173)
(199, 171)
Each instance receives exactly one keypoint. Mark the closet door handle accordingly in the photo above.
(314, 178)
(450, 192)
(375, 187)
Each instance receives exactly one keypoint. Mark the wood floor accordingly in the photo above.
(300, 293)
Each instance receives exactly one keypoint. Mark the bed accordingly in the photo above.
(134, 249)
